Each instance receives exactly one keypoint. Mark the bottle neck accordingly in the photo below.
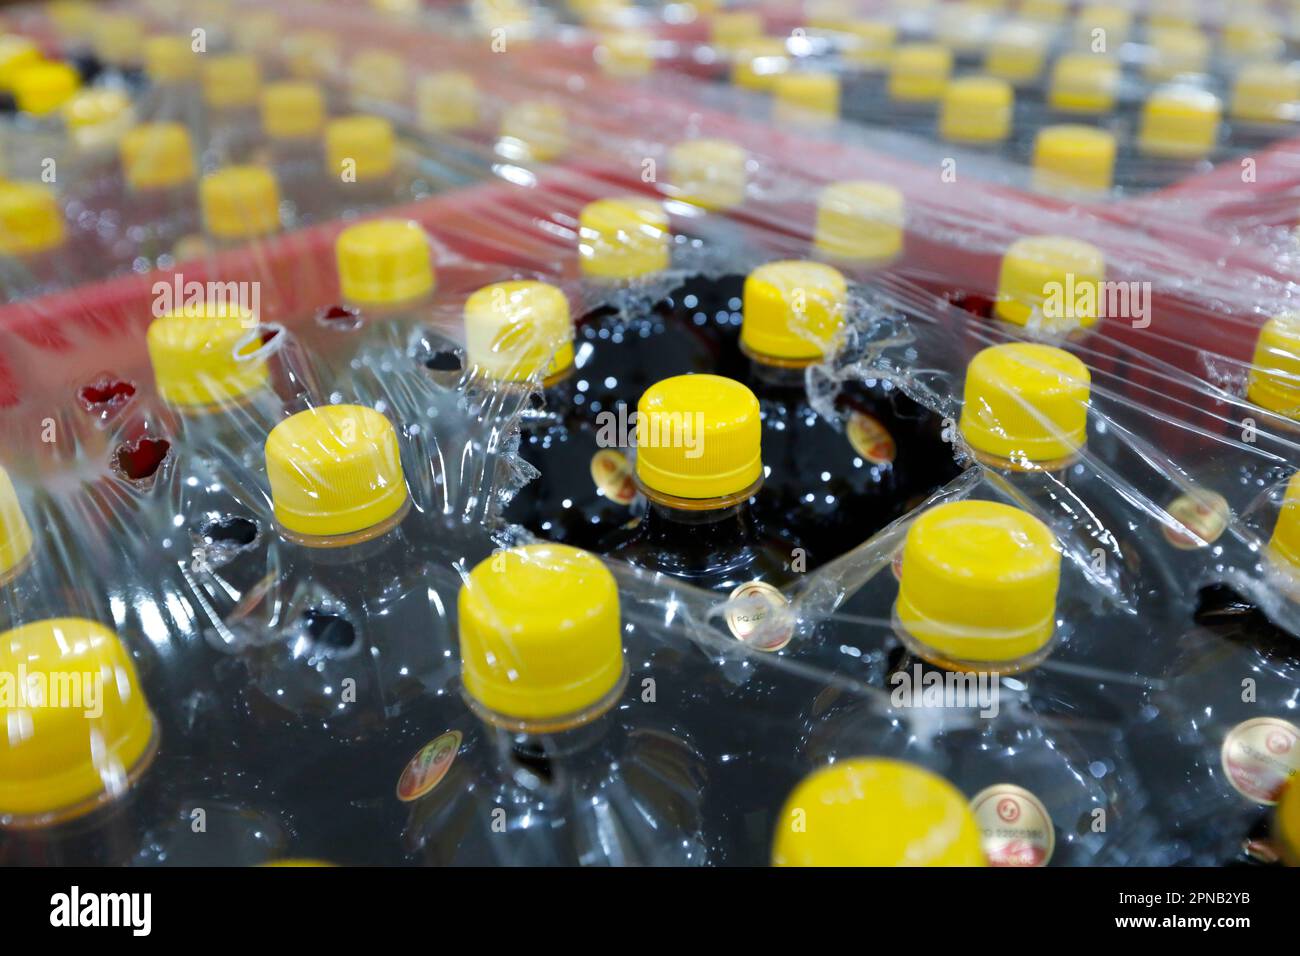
(772, 374)
(357, 546)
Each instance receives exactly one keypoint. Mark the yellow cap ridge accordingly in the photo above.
(71, 754)
(293, 109)
(240, 202)
(15, 533)
(758, 61)
(1267, 93)
(194, 357)
(17, 53)
(1273, 382)
(623, 238)
(31, 221)
(1051, 283)
(1074, 157)
(859, 222)
(1084, 83)
(445, 101)
(533, 131)
(1026, 403)
(157, 156)
(231, 80)
(1179, 122)
(806, 98)
(384, 262)
(793, 309)
(876, 812)
(119, 39)
(1017, 52)
(42, 88)
(710, 173)
(976, 109)
(378, 75)
(919, 72)
(98, 118)
(171, 59)
(978, 585)
(698, 437)
(312, 54)
(366, 142)
(334, 470)
(540, 636)
(517, 330)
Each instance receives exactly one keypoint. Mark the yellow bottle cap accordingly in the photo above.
(517, 330)
(793, 310)
(197, 357)
(1173, 51)
(1274, 379)
(364, 144)
(73, 19)
(978, 583)
(919, 72)
(80, 730)
(758, 61)
(1180, 122)
(312, 55)
(170, 59)
(446, 101)
(335, 469)
(1252, 37)
(1017, 53)
(157, 156)
(1084, 83)
(534, 131)
(1102, 28)
(119, 39)
(623, 238)
(240, 202)
(31, 221)
(384, 262)
(698, 437)
(1267, 93)
(378, 75)
(727, 29)
(1074, 157)
(15, 532)
(1051, 283)
(708, 172)
(963, 27)
(1026, 403)
(976, 109)
(293, 109)
(626, 53)
(540, 635)
(1286, 823)
(257, 31)
(1284, 545)
(16, 54)
(859, 222)
(98, 118)
(876, 812)
(231, 80)
(42, 88)
(1174, 14)
(1045, 11)
(868, 44)
(802, 99)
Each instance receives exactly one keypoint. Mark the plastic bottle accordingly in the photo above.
(171, 66)
(976, 610)
(37, 142)
(240, 205)
(293, 120)
(34, 256)
(96, 121)
(559, 763)
(231, 83)
(363, 170)
(92, 777)
(521, 333)
(159, 166)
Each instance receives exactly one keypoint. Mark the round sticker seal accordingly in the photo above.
(758, 616)
(871, 439)
(612, 473)
(1203, 513)
(1260, 756)
(427, 768)
(1016, 827)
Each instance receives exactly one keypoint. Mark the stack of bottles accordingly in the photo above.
(661, 536)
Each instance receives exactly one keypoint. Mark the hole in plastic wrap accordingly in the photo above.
(341, 318)
(329, 631)
(105, 395)
(444, 360)
(141, 459)
(229, 530)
